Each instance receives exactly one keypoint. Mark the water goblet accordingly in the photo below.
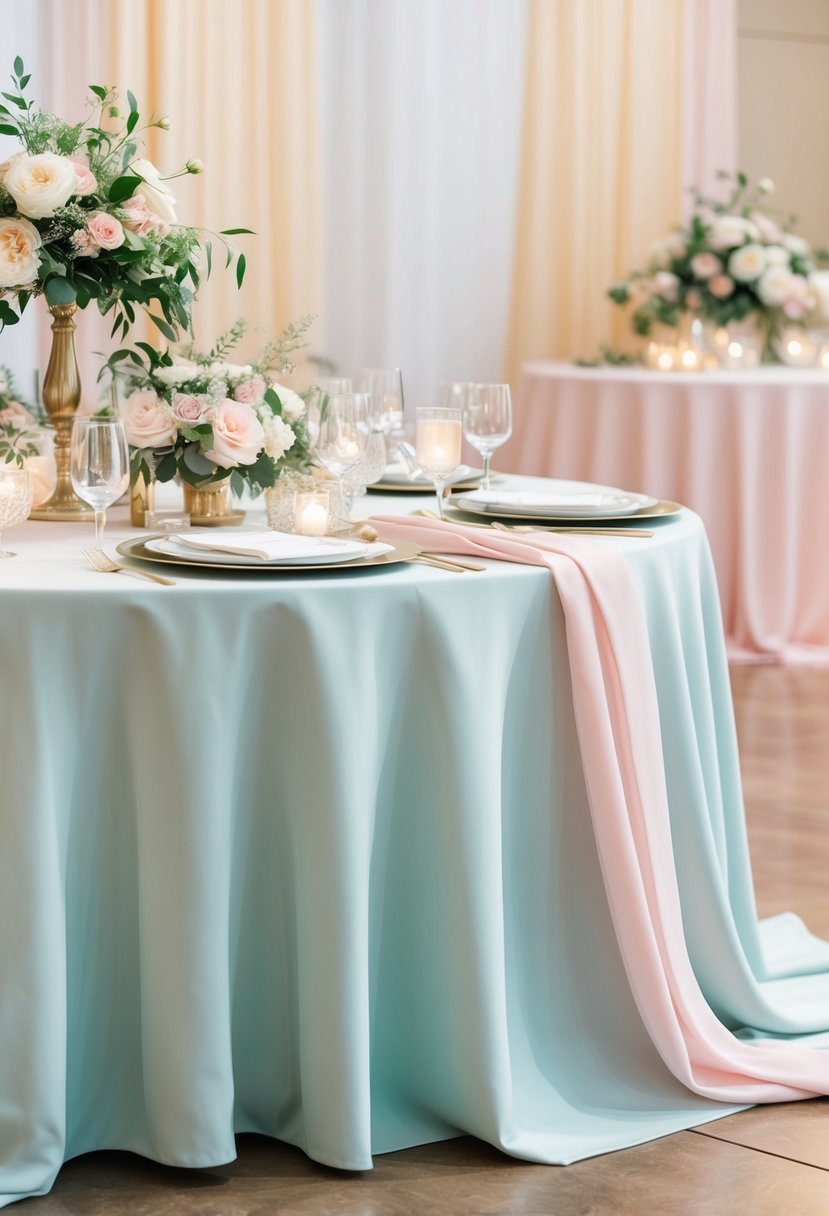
(342, 432)
(438, 444)
(15, 501)
(365, 472)
(384, 386)
(99, 466)
(487, 420)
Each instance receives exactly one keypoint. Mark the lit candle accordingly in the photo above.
(689, 359)
(735, 350)
(438, 444)
(799, 348)
(665, 360)
(824, 358)
(311, 514)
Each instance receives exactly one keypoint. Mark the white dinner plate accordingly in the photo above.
(332, 551)
(396, 475)
(563, 499)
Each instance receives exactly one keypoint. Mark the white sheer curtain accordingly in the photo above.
(421, 103)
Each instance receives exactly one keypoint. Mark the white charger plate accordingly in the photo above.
(337, 553)
(564, 500)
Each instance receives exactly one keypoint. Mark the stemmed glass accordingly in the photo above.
(487, 420)
(15, 501)
(368, 469)
(99, 466)
(384, 386)
(438, 445)
(343, 429)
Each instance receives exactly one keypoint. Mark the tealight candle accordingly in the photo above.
(311, 514)
(438, 444)
(798, 348)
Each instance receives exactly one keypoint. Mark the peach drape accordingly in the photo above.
(616, 111)
(238, 82)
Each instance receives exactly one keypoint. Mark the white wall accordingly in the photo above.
(784, 105)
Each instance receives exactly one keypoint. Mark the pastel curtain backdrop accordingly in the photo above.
(627, 103)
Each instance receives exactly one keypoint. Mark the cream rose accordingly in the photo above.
(191, 408)
(775, 285)
(19, 243)
(7, 164)
(155, 193)
(250, 391)
(819, 282)
(238, 436)
(148, 420)
(41, 185)
(747, 264)
(105, 230)
(796, 245)
(730, 230)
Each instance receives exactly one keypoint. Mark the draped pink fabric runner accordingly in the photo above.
(745, 450)
(617, 718)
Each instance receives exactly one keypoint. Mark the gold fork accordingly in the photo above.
(101, 562)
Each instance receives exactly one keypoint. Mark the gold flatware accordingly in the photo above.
(443, 563)
(104, 564)
(457, 561)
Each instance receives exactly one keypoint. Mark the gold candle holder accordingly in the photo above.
(209, 506)
(61, 396)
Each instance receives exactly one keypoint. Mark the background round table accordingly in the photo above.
(747, 451)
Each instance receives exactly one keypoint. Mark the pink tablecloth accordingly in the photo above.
(748, 451)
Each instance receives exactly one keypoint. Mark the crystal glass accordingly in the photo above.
(365, 472)
(15, 501)
(384, 386)
(99, 466)
(438, 440)
(487, 420)
(343, 429)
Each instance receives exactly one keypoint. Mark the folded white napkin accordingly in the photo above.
(270, 546)
(518, 498)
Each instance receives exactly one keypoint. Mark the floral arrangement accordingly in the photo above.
(197, 416)
(83, 217)
(734, 259)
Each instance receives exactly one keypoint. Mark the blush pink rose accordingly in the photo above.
(87, 182)
(705, 265)
(190, 408)
(250, 391)
(106, 231)
(139, 219)
(721, 286)
(148, 421)
(238, 435)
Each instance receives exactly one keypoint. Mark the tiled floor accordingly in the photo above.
(770, 1161)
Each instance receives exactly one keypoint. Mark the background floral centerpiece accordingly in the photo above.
(83, 217)
(200, 417)
(25, 440)
(735, 259)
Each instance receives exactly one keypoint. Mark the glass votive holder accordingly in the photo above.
(311, 513)
(168, 520)
(797, 347)
(660, 356)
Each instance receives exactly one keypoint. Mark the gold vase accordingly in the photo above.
(61, 395)
(209, 506)
(142, 500)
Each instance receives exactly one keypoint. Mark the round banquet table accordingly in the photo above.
(746, 450)
(310, 856)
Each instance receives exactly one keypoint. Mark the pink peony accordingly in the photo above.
(250, 392)
(105, 230)
(87, 182)
(190, 408)
(148, 421)
(705, 265)
(238, 436)
(721, 286)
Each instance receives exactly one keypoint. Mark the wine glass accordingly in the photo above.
(438, 445)
(487, 420)
(384, 386)
(15, 501)
(368, 469)
(342, 432)
(99, 466)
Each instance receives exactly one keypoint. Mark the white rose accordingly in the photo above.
(796, 245)
(41, 185)
(747, 264)
(819, 282)
(279, 437)
(776, 255)
(238, 437)
(148, 421)
(155, 193)
(7, 164)
(293, 407)
(730, 230)
(19, 243)
(775, 286)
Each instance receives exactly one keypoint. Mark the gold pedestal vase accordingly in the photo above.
(61, 395)
(142, 500)
(210, 506)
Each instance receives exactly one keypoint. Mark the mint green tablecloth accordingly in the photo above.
(311, 856)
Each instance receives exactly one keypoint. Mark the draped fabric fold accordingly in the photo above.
(618, 724)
